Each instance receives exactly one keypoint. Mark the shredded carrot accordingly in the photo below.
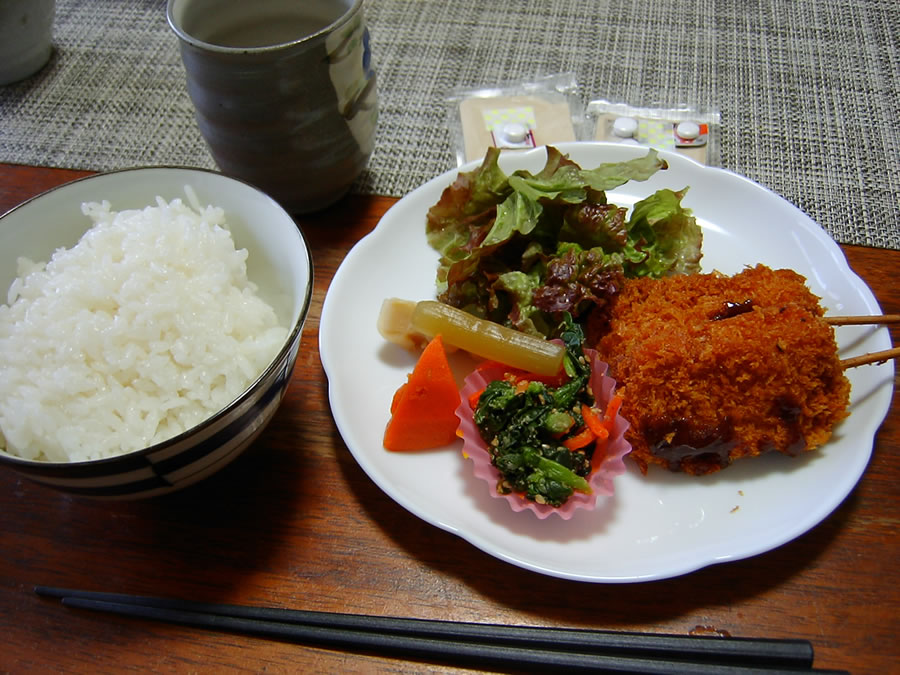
(516, 374)
(491, 365)
(548, 380)
(522, 385)
(612, 409)
(594, 422)
(582, 439)
(599, 453)
(607, 423)
(474, 397)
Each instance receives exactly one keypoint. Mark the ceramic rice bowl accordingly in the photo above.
(279, 263)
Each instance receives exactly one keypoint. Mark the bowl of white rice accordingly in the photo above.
(150, 320)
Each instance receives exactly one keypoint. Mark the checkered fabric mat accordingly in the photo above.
(807, 90)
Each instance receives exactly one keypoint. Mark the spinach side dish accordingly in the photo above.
(543, 433)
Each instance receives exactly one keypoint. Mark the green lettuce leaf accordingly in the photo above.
(467, 207)
(563, 181)
(664, 238)
(612, 175)
(516, 214)
(505, 241)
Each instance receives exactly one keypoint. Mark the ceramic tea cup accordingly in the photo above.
(26, 34)
(284, 92)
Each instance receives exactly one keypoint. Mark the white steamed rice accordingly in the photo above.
(140, 331)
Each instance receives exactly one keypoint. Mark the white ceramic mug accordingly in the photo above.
(26, 37)
(284, 92)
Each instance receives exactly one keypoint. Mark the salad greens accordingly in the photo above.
(527, 426)
(521, 249)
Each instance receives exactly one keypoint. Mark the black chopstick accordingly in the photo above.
(487, 644)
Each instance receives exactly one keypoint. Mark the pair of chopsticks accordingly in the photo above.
(484, 645)
(874, 357)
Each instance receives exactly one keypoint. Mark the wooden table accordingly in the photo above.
(295, 522)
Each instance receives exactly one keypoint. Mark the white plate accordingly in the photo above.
(656, 526)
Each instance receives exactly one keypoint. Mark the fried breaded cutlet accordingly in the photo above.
(716, 368)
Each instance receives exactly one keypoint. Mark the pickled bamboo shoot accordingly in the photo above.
(411, 324)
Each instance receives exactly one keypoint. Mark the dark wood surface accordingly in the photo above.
(295, 522)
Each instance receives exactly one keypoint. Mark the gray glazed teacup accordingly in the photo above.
(284, 92)
(26, 35)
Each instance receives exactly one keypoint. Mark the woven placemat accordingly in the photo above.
(807, 89)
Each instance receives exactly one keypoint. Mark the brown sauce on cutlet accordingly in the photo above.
(677, 440)
(732, 309)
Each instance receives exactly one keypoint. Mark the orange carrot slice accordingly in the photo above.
(423, 411)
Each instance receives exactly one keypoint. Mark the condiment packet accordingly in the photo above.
(519, 115)
(601, 478)
(688, 130)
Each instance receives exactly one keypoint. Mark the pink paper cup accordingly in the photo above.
(600, 479)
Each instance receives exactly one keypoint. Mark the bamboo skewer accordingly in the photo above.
(874, 357)
(862, 320)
